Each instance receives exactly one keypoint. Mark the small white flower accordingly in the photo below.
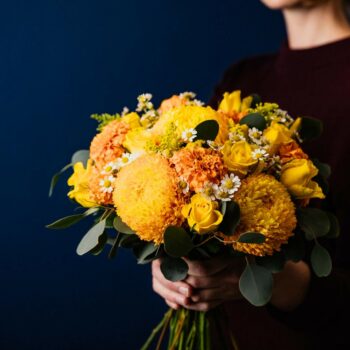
(213, 145)
(106, 185)
(236, 137)
(126, 159)
(208, 190)
(109, 168)
(144, 102)
(255, 135)
(184, 185)
(188, 95)
(230, 183)
(189, 135)
(125, 111)
(222, 194)
(196, 102)
(260, 153)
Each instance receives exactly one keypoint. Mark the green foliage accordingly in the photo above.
(311, 128)
(334, 230)
(321, 261)
(252, 237)
(145, 252)
(71, 219)
(81, 156)
(273, 263)
(174, 269)
(56, 177)
(256, 100)
(104, 119)
(119, 225)
(231, 218)
(207, 130)
(92, 238)
(254, 120)
(177, 242)
(255, 284)
(314, 222)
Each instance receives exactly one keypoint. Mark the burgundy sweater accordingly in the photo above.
(313, 82)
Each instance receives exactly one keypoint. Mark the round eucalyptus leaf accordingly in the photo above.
(129, 241)
(143, 250)
(314, 222)
(119, 225)
(273, 263)
(256, 100)
(81, 156)
(177, 242)
(254, 120)
(231, 218)
(334, 231)
(323, 168)
(91, 239)
(321, 261)
(174, 269)
(252, 237)
(255, 284)
(207, 130)
(311, 128)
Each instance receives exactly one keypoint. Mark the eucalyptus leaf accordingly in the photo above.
(119, 225)
(252, 238)
(334, 230)
(129, 241)
(254, 120)
(174, 269)
(323, 168)
(177, 242)
(255, 284)
(91, 239)
(71, 219)
(256, 100)
(231, 219)
(314, 222)
(100, 246)
(143, 251)
(115, 245)
(81, 156)
(56, 177)
(321, 261)
(311, 128)
(207, 130)
(273, 263)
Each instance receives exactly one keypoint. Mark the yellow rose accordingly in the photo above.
(238, 157)
(133, 119)
(201, 214)
(296, 175)
(276, 134)
(233, 106)
(80, 181)
(136, 140)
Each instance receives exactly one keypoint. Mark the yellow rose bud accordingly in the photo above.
(238, 157)
(296, 175)
(231, 102)
(136, 140)
(80, 181)
(276, 134)
(133, 119)
(202, 214)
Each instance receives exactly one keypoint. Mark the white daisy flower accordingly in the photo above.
(106, 184)
(109, 168)
(184, 185)
(222, 194)
(230, 183)
(213, 145)
(189, 135)
(255, 135)
(188, 95)
(126, 159)
(260, 153)
(144, 102)
(208, 190)
(125, 111)
(235, 137)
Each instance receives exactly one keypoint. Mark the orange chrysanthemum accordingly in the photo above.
(266, 207)
(148, 197)
(198, 166)
(172, 102)
(107, 145)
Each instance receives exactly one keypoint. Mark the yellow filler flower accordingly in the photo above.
(148, 198)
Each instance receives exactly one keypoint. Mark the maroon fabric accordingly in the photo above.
(313, 82)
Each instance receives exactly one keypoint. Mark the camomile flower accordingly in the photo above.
(126, 159)
(230, 183)
(106, 184)
(125, 111)
(260, 154)
(189, 135)
(184, 185)
(109, 168)
(144, 102)
(188, 95)
(208, 190)
(255, 135)
(236, 137)
(213, 145)
(222, 193)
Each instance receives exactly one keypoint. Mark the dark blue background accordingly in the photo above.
(60, 61)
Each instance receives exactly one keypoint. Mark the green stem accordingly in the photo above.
(165, 326)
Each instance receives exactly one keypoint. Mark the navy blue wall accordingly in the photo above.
(60, 61)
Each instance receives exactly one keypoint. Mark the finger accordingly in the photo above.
(180, 286)
(172, 305)
(208, 267)
(205, 306)
(205, 295)
(169, 295)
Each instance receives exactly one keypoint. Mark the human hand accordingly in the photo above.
(209, 283)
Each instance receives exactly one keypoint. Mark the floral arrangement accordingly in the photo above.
(185, 180)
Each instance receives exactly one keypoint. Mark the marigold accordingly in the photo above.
(188, 117)
(148, 197)
(266, 207)
(107, 145)
(291, 150)
(198, 166)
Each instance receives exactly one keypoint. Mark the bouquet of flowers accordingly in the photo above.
(187, 181)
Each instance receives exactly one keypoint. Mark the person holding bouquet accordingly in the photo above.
(310, 75)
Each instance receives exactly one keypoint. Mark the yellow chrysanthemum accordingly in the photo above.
(107, 145)
(188, 117)
(198, 166)
(148, 198)
(266, 207)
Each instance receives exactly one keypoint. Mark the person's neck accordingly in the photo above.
(316, 26)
